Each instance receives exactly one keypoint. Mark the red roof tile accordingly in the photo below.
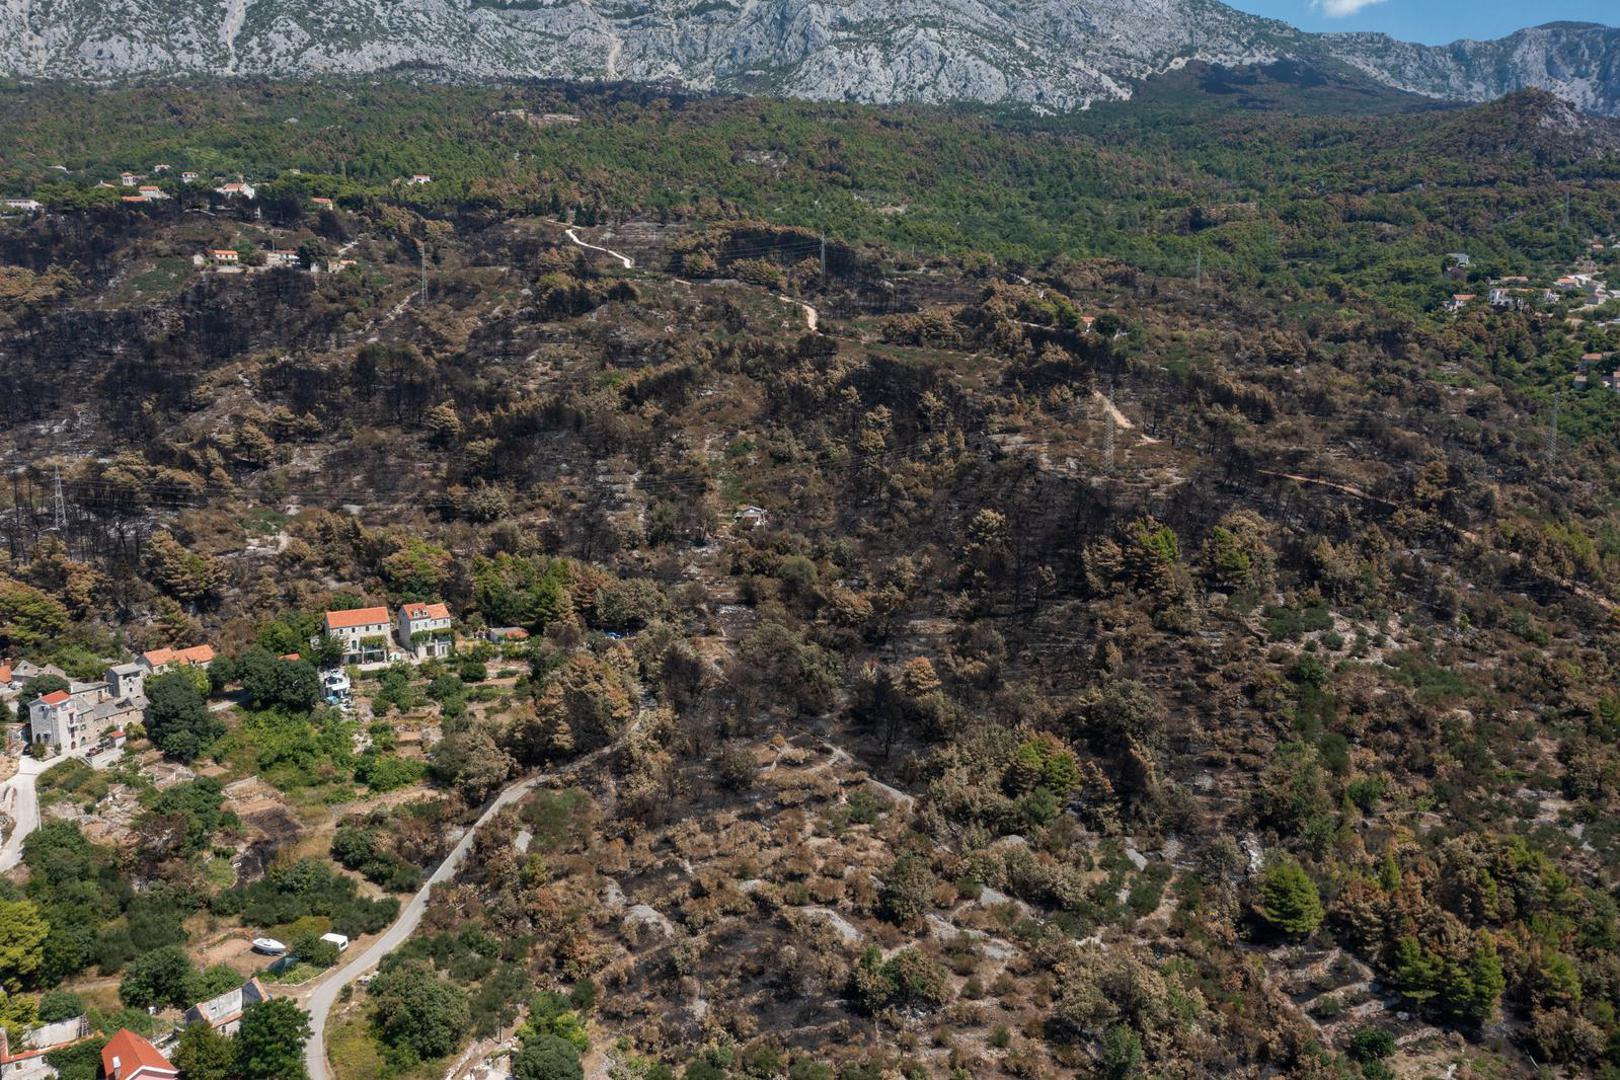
(348, 620)
(56, 697)
(136, 1059)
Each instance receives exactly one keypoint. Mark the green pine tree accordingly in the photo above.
(1417, 971)
(1289, 900)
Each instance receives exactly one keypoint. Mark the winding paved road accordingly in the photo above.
(19, 798)
(325, 995)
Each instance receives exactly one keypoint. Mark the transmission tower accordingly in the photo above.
(1552, 432)
(58, 502)
(1108, 433)
(14, 534)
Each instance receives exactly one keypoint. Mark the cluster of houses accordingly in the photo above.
(91, 714)
(374, 635)
(1602, 366)
(229, 261)
(139, 192)
(1518, 294)
(88, 716)
(127, 1055)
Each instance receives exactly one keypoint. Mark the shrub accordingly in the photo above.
(385, 772)
(907, 889)
(55, 1005)
(315, 951)
(735, 770)
(1371, 1044)
(417, 1008)
(1121, 1055)
(550, 1058)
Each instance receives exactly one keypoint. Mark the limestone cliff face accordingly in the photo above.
(1579, 62)
(1049, 54)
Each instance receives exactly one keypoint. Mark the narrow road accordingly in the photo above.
(19, 798)
(625, 259)
(812, 317)
(1120, 419)
(1329, 484)
(320, 1002)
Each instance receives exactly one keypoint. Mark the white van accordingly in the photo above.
(339, 940)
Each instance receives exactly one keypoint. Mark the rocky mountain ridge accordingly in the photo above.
(1056, 55)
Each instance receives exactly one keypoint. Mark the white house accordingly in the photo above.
(282, 257)
(151, 192)
(239, 189)
(128, 179)
(424, 630)
(189, 178)
(420, 178)
(363, 633)
(224, 1013)
(53, 719)
(29, 206)
(336, 687)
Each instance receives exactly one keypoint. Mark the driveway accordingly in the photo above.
(19, 798)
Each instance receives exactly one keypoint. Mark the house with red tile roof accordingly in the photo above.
(36, 1043)
(127, 1056)
(424, 630)
(158, 660)
(54, 721)
(362, 632)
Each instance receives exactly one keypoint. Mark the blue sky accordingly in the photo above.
(1432, 21)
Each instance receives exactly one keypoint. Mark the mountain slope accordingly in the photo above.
(1580, 62)
(1051, 54)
